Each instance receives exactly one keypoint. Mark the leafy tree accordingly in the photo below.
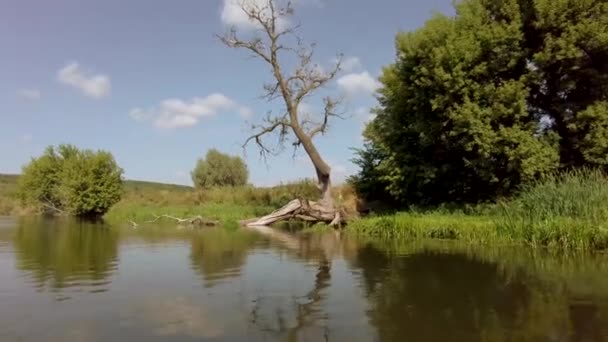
(501, 93)
(219, 169)
(369, 182)
(68, 180)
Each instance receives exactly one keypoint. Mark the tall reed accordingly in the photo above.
(567, 210)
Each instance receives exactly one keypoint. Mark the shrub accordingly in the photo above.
(219, 169)
(72, 181)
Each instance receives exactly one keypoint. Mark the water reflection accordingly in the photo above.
(219, 254)
(276, 285)
(177, 316)
(56, 254)
(461, 293)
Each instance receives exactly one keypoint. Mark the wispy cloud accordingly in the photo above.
(178, 113)
(30, 94)
(358, 83)
(233, 13)
(90, 84)
(349, 64)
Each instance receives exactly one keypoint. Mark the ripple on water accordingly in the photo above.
(58, 280)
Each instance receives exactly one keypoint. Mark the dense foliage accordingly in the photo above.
(68, 180)
(219, 169)
(500, 94)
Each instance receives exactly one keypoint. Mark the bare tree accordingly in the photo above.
(271, 42)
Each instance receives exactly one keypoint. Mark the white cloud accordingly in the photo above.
(357, 83)
(233, 14)
(245, 112)
(175, 121)
(365, 114)
(177, 113)
(350, 64)
(30, 94)
(93, 85)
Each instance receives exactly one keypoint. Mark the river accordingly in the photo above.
(64, 280)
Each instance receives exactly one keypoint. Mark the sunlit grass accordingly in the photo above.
(225, 213)
(479, 229)
(568, 210)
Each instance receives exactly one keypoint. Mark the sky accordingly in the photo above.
(149, 81)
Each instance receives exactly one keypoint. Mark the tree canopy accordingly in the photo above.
(72, 181)
(219, 169)
(500, 93)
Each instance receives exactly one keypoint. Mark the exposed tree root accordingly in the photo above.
(300, 209)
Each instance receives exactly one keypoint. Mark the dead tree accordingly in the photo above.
(271, 42)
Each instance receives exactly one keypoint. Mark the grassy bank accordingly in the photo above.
(565, 211)
(142, 201)
(9, 203)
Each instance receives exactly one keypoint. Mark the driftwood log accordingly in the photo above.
(302, 210)
(196, 221)
(191, 221)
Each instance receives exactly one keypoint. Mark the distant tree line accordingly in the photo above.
(477, 104)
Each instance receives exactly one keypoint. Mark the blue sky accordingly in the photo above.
(148, 81)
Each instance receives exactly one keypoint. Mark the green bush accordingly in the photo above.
(219, 169)
(71, 181)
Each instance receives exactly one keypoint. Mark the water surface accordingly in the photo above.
(69, 281)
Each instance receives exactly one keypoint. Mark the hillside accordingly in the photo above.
(133, 190)
(8, 183)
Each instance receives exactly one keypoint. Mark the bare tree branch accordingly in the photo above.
(330, 107)
(271, 41)
(270, 125)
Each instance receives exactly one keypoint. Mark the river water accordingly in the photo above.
(70, 281)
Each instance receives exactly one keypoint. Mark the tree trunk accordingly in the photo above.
(325, 187)
(321, 167)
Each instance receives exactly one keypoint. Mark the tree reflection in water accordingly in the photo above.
(219, 254)
(461, 293)
(60, 253)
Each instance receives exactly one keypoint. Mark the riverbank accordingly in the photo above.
(567, 211)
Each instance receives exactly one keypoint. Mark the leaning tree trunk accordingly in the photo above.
(303, 210)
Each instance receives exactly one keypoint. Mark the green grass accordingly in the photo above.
(407, 225)
(567, 211)
(227, 214)
(562, 210)
(9, 203)
(142, 201)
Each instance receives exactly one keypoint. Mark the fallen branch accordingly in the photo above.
(191, 221)
(53, 208)
(194, 221)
